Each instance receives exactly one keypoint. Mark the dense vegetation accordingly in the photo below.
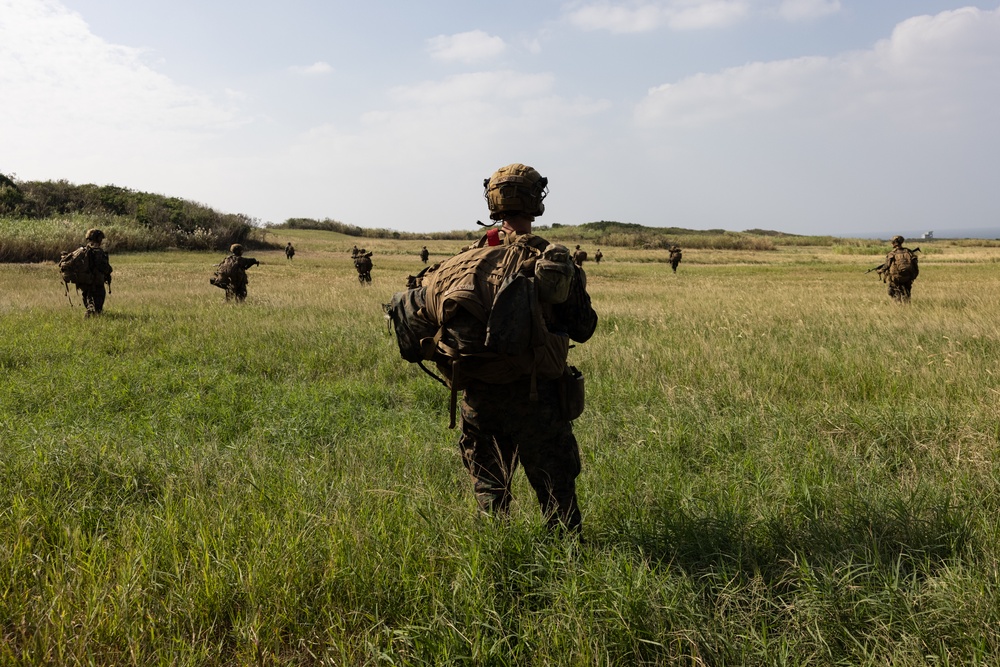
(38, 219)
(780, 468)
(329, 225)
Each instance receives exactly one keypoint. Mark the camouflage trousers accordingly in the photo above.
(237, 291)
(502, 428)
(900, 290)
(93, 298)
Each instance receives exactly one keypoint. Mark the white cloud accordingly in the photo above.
(645, 16)
(805, 10)
(93, 108)
(931, 71)
(316, 69)
(466, 47)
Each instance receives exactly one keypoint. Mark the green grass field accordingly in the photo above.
(781, 467)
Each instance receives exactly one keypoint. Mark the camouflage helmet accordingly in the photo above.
(897, 240)
(95, 235)
(236, 249)
(516, 188)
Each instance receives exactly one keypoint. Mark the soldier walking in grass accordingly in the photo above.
(232, 273)
(675, 257)
(89, 269)
(900, 270)
(289, 251)
(524, 421)
(363, 265)
(598, 256)
(579, 256)
(424, 254)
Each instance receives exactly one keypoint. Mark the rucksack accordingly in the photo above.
(478, 315)
(76, 268)
(229, 273)
(904, 265)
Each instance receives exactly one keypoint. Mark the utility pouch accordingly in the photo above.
(571, 394)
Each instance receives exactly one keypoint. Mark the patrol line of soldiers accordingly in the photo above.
(898, 271)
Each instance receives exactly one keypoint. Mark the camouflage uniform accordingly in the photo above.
(899, 288)
(598, 256)
(236, 283)
(363, 265)
(675, 257)
(502, 427)
(289, 251)
(424, 254)
(93, 293)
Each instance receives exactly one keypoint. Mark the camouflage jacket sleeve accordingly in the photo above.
(575, 317)
(102, 264)
(247, 262)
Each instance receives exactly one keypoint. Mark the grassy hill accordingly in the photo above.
(38, 219)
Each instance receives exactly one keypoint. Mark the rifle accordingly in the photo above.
(880, 268)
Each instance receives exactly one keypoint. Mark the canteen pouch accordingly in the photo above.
(571, 393)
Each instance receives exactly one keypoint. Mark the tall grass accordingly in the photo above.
(780, 467)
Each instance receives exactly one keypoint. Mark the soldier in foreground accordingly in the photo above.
(524, 421)
(232, 273)
(900, 270)
(89, 269)
(675, 257)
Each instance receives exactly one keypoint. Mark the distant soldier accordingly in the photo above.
(355, 252)
(579, 256)
(424, 254)
(900, 270)
(675, 257)
(363, 264)
(232, 273)
(598, 256)
(289, 251)
(89, 269)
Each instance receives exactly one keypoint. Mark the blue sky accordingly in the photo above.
(804, 116)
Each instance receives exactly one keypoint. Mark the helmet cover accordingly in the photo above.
(516, 188)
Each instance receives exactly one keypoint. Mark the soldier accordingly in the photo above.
(524, 421)
(363, 265)
(91, 282)
(355, 252)
(424, 254)
(900, 270)
(289, 251)
(232, 273)
(675, 257)
(598, 256)
(579, 256)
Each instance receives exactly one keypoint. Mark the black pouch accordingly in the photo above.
(405, 315)
(571, 394)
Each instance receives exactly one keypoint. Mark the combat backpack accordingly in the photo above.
(478, 315)
(77, 267)
(229, 273)
(904, 266)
